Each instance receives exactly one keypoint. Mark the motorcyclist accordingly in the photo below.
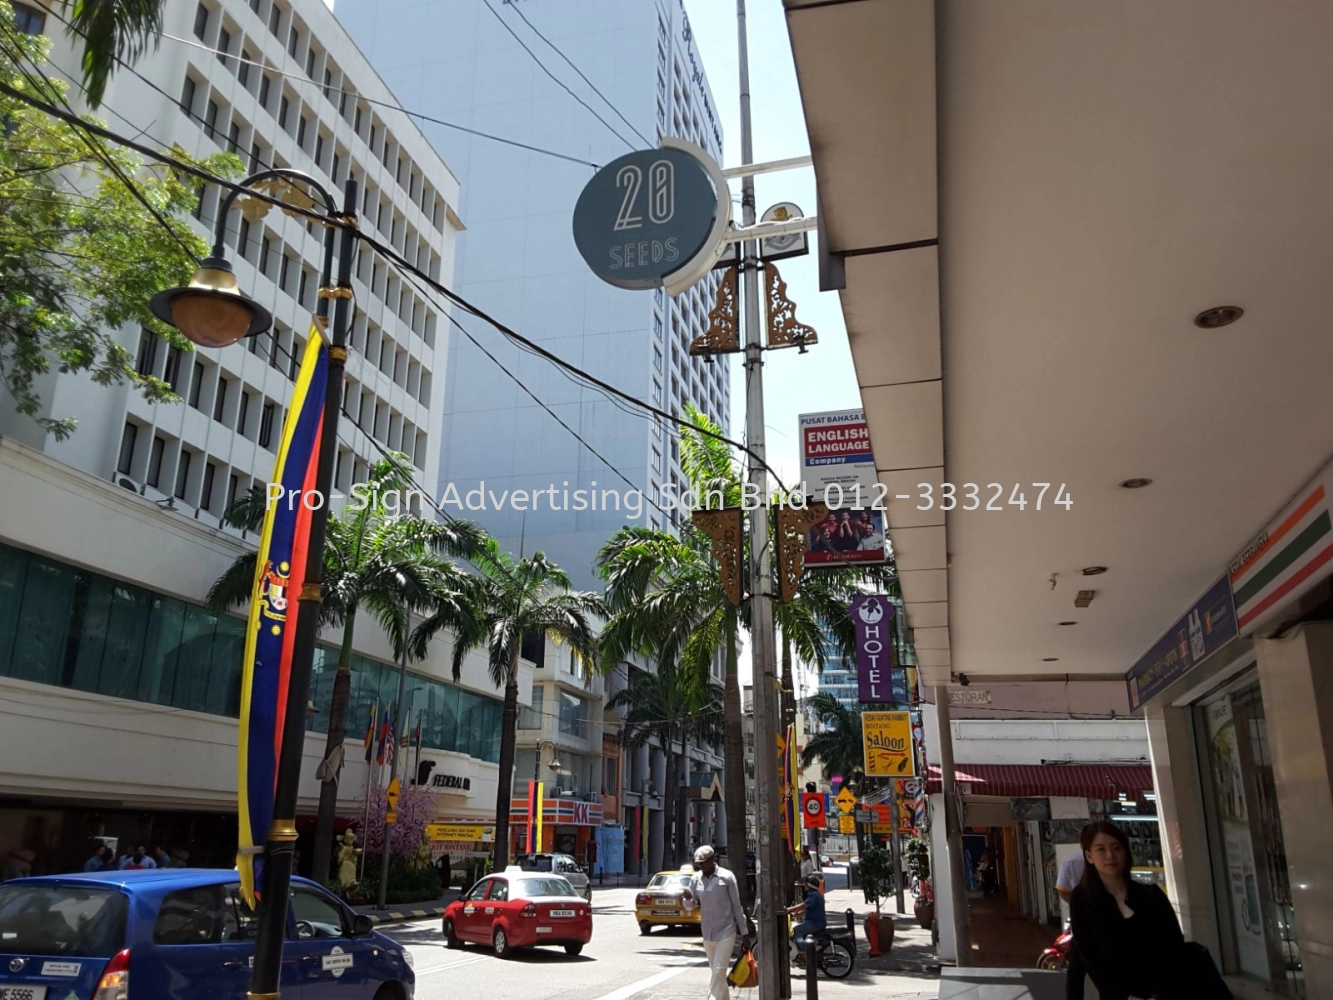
(812, 907)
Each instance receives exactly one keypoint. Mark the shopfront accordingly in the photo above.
(568, 826)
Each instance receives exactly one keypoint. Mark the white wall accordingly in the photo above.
(1031, 741)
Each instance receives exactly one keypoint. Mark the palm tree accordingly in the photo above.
(113, 31)
(515, 598)
(837, 745)
(372, 560)
(670, 706)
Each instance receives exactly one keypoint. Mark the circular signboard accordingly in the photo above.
(646, 216)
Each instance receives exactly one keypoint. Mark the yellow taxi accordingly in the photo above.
(660, 904)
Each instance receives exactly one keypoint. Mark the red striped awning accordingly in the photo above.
(1090, 781)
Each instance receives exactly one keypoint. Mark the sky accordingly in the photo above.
(794, 383)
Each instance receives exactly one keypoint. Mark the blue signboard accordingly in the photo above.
(1205, 628)
(645, 216)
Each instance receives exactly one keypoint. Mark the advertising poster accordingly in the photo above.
(838, 468)
(1202, 631)
(888, 744)
(1229, 789)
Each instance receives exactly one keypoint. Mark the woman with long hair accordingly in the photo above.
(1127, 932)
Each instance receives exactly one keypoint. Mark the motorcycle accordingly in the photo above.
(834, 950)
(1056, 957)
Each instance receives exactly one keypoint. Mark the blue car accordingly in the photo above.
(181, 933)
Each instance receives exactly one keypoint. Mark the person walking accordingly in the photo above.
(139, 859)
(811, 909)
(712, 889)
(98, 862)
(1071, 874)
(1128, 933)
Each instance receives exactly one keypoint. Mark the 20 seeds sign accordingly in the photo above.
(888, 744)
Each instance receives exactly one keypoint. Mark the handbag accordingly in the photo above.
(744, 974)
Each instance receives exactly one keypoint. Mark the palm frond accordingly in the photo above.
(113, 31)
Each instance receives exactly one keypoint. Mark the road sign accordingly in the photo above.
(865, 815)
(390, 817)
(846, 824)
(812, 810)
(393, 793)
(888, 744)
(653, 217)
(846, 800)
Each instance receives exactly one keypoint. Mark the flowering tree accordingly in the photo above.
(415, 810)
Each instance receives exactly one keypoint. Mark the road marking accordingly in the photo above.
(450, 965)
(625, 992)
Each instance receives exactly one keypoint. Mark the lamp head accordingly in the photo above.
(554, 763)
(211, 310)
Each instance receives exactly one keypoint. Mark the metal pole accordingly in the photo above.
(895, 813)
(280, 849)
(953, 832)
(382, 899)
(769, 911)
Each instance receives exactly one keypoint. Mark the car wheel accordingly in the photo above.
(389, 991)
(573, 950)
(450, 938)
(645, 928)
(1052, 963)
(500, 942)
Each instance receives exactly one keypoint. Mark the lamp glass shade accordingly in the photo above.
(554, 765)
(211, 319)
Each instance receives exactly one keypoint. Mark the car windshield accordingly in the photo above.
(536, 888)
(667, 881)
(531, 864)
(41, 919)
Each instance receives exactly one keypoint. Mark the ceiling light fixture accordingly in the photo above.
(1050, 659)
(1135, 484)
(1069, 623)
(1084, 598)
(1218, 316)
(1093, 570)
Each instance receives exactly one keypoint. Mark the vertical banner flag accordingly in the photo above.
(530, 834)
(838, 468)
(540, 805)
(370, 731)
(871, 615)
(280, 569)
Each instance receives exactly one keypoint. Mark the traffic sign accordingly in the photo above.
(393, 793)
(865, 815)
(846, 801)
(390, 817)
(846, 824)
(812, 809)
(654, 217)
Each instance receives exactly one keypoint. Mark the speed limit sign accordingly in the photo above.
(812, 810)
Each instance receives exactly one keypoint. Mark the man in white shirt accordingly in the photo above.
(714, 891)
(1071, 873)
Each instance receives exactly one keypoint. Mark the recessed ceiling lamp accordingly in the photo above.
(1050, 659)
(1136, 484)
(1093, 570)
(1069, 623)
(1218, 316)
(1084, 598)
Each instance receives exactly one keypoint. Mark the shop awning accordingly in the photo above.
(1091, 781)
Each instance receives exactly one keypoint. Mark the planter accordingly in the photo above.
(925, 912)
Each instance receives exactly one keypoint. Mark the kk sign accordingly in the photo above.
(888, 744)
(871, 615)
(654, 217)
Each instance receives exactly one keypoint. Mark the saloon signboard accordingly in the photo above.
(888, 745)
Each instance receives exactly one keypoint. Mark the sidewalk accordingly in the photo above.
(1002, 938)
(399, 912)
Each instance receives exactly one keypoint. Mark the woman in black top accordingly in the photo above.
(1127, 932)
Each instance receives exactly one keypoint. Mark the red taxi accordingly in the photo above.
(518, 909)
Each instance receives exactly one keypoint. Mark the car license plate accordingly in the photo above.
(562, 913)
(543, 930)
(664, 913)
(22, 993)
(665, 902)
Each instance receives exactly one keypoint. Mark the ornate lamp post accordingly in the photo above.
(554, 765)
(212, 311)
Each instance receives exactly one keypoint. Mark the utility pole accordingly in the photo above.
(953, 832)
(769, 910)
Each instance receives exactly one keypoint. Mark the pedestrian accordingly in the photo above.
(811, 909)
(161, 858)
(1071, 874)
(139, 859)
(1128, 933)
(713, 890)
(443, 865)
(98, 862)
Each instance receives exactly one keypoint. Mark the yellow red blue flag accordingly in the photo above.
(279, 574)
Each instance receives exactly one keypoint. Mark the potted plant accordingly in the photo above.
(876, 872)
(917, 858)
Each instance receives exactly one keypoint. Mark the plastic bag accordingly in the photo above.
(744, 974)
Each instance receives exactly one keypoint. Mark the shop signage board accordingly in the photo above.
(1292, 554)
(865, 815)
(1242, 879)
(469, 832)
(846, 824)
(651, 217)
(1202, 631)
(871, 617)
(887, 739)
(838, 468)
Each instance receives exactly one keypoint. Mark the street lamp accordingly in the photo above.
(212, 311)
(553, 764)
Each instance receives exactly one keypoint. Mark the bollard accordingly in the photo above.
(811, 969)
(851, 925)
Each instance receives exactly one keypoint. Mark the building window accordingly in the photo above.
(146, 363)
(310, 65)
(264, 84)
(224, 45)
(206, 491)
(29, 20)
(243, 238)
(283, 272)
(300, 131)
(319, 150)
(611, 775)
(533, 648)
(265, 248)
(173, 373)
(531, 717)
(275, 21)
(233, 485)
(333, 170)
(125, 461)
(211, 119)
(187, 95)
(243, 68)
(182, 474)
(266, 425)
(244, 415)
(155, 460)
(220, 399)
(573, 714)
(283, 107)
(293, 41)
(200, 22)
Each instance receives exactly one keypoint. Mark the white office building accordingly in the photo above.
(465, 63)
(119, 690)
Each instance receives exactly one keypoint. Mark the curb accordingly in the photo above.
(378, 917)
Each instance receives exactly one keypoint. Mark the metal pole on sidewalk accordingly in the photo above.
(953, 832)
(770, 913)
(381, 899)
(896, 842)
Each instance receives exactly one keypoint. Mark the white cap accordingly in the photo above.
(703, 854)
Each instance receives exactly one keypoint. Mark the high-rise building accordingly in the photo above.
(507, 68)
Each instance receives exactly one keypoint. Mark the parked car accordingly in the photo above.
(180, 934)
(560, 864)
(661, 905)
(519, 909)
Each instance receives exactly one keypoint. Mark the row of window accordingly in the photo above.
(71, 628)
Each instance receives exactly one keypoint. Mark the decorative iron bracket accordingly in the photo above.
(793, 527)
(724, 321)
(727, 530)
(784, 330)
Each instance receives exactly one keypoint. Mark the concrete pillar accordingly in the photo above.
(941, 879)
(1180, 808)
(1296, 677)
